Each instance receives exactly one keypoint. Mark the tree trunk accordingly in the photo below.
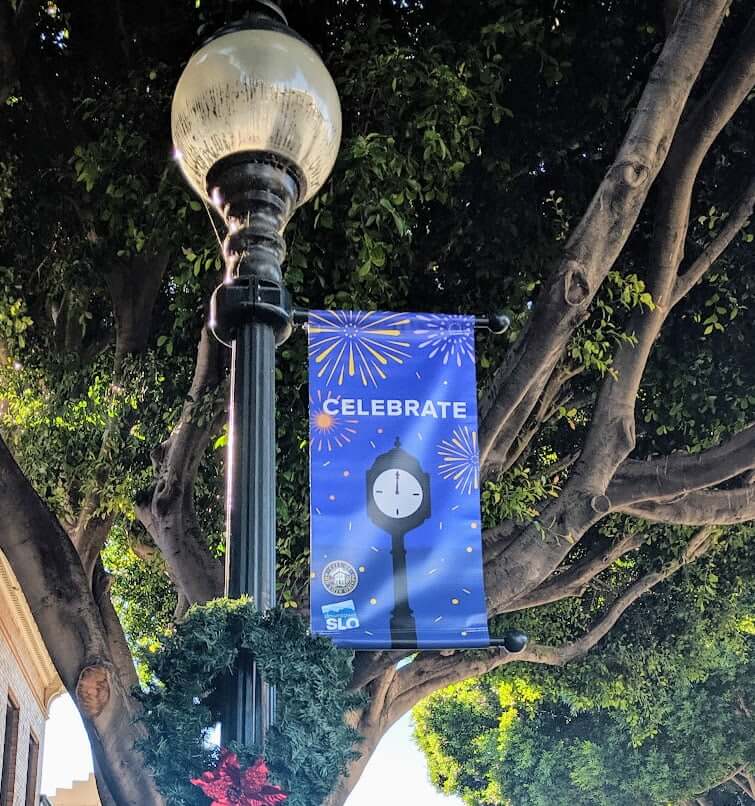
(51, 576)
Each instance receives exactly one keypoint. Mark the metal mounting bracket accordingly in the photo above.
(247, 299)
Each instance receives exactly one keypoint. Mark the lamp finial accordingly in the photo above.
(270, 9)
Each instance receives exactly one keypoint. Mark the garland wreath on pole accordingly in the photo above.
(306, 750)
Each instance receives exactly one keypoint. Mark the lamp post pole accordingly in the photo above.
(256, 125)
(252, 309)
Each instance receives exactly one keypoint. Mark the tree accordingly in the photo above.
(671, 722)
(557, 756)
(557, 159)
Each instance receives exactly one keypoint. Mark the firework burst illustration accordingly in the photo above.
(460, 461)
(329, 431)
(348, 344)
(449, 337)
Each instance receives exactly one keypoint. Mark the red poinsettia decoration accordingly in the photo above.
(229, 785)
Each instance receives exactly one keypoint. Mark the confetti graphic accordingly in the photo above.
(345, 345)
(460, 460)
(447, 337)
(329, 431)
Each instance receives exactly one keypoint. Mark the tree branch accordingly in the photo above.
(709, 507)
(90, 533)
(533, 551)
(698, 545)
(133, 288)
(504, 455)
(598, 239)
(168, 511)
(745, 782)
(575, 579)
(735, 222)
(497, 539)
(729, 777)
(561, 465)
(671, 476)
(540, 547)
(513, 441)
(116, 638)
(748, 777)
(368, 666)
(611, 437)
(433, 671)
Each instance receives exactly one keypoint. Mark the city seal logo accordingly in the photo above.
(339, 578)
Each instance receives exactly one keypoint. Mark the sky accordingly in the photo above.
(67, 756)
(397, 764)
(397, 774)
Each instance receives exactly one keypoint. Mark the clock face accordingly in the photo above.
(397, 493)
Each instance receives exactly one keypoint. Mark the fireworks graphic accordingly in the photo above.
(355, 344)
(447, 336)
(460, 461)
(329, 431)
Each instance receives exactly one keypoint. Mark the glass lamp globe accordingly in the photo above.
(257, 88)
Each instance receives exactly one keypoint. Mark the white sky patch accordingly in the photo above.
(67, 757)
(397, 759)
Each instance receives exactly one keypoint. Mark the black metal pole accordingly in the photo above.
(250, 551)
(252, 312)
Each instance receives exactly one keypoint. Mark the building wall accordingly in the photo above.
(26, 671)
(31, 718)
(81, 793)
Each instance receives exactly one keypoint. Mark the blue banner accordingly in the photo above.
(396, 549)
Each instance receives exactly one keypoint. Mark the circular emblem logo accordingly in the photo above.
(339, 578)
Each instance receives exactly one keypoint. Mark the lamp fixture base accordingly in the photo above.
(256, 193)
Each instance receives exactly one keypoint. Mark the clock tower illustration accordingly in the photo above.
(398, 500)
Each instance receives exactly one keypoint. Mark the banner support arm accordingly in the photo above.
(495, 322)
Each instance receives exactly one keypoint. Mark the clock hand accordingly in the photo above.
(398, 474)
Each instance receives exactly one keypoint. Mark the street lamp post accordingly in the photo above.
(256, 126)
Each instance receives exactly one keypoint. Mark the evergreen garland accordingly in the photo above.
(309, 746)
